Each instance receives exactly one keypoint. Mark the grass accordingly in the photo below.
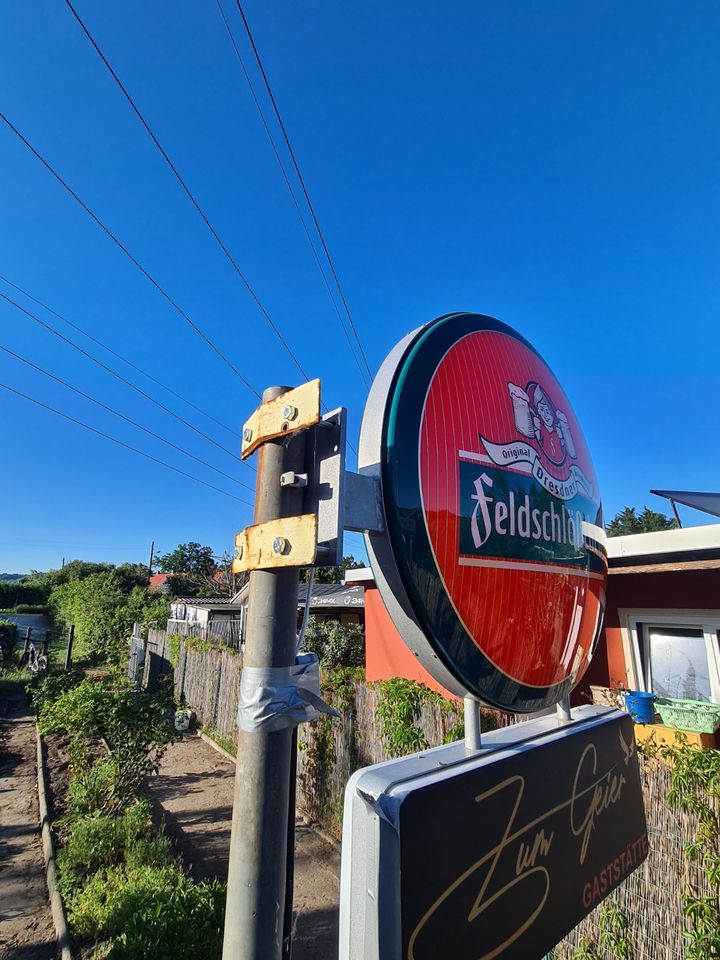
(220, 740)
(12, 683)
(14, 679)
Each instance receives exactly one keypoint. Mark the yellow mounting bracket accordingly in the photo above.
(295, 410)
(287, 542)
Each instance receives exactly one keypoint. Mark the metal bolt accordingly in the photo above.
(289, 411)
(247, 434)
(279, 545)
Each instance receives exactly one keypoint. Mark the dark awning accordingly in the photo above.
(706, 502)
(332, 595)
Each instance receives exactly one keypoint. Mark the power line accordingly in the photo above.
(117, 375)
(288, 184)
(120, 443)
(302, 183)
(119, 356)
(189, 192)
(122, 416)
(129, 255)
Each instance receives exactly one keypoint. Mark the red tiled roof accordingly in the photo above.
(158, 579)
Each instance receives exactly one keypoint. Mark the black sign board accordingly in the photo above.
(503, 860)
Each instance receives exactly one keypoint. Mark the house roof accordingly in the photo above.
(209, 603)
(682, 545)
(158, 579)
(359, 575)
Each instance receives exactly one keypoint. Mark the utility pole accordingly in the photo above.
(256, 891)
(150, 561)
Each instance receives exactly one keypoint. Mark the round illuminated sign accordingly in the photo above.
(492, 565)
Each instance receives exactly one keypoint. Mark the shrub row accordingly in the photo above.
(125, 893)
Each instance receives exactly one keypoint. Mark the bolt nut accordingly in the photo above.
(247, 434)
(289, 411)
(280, 545)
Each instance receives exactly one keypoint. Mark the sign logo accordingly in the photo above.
(494, 515)
(550, 447)
(542, 513)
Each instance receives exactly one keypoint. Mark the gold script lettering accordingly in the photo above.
(601, 793)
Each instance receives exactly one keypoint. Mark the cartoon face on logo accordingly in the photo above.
(493, 514)
(537, 418)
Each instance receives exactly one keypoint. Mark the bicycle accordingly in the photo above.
(34, 661)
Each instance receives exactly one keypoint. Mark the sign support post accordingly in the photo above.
(563, 709)
(258, 846)
(473, 735)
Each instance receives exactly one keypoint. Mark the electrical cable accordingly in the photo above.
(118, 376)
(281, 165)
(120, 443)
(122, 416)
(189, 192)
(129, 255)
(302, 183)
(119, 356)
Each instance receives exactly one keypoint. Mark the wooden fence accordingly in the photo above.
(208, 680)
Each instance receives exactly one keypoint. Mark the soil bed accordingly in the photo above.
(26, 927)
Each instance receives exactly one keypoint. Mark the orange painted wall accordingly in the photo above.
(386, 655)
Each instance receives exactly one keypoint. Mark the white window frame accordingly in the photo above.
(706, 620)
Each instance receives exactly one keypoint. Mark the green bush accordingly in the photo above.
(91, 844)
(136, 724)
(77, 710)
(46, 688)
(151, 912)
(336, 644)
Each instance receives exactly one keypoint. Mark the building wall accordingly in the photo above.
(386, 655)
(673, 590)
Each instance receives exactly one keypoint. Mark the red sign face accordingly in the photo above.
(494, 513)
(507, 485)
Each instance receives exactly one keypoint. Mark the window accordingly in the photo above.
(678, 663)
(674, 654)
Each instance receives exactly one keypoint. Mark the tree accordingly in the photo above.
(332, 574)
(103, 611)
(628, 521)
(189, 558)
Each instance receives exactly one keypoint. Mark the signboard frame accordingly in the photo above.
(388, 549)
(605, 826)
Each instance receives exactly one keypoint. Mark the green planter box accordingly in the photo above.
(695, 715)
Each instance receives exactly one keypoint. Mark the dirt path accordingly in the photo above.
(195, 788)
(26, 927)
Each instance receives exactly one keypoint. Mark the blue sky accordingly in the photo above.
(554, 165)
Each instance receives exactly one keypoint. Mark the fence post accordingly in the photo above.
(68, 651)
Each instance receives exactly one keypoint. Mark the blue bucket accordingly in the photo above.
(640, 706)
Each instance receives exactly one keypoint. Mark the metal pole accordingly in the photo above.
(677, 515)
(473, 736)
(150, 561)
(258, 847)
(68, 651)
(563, 709)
